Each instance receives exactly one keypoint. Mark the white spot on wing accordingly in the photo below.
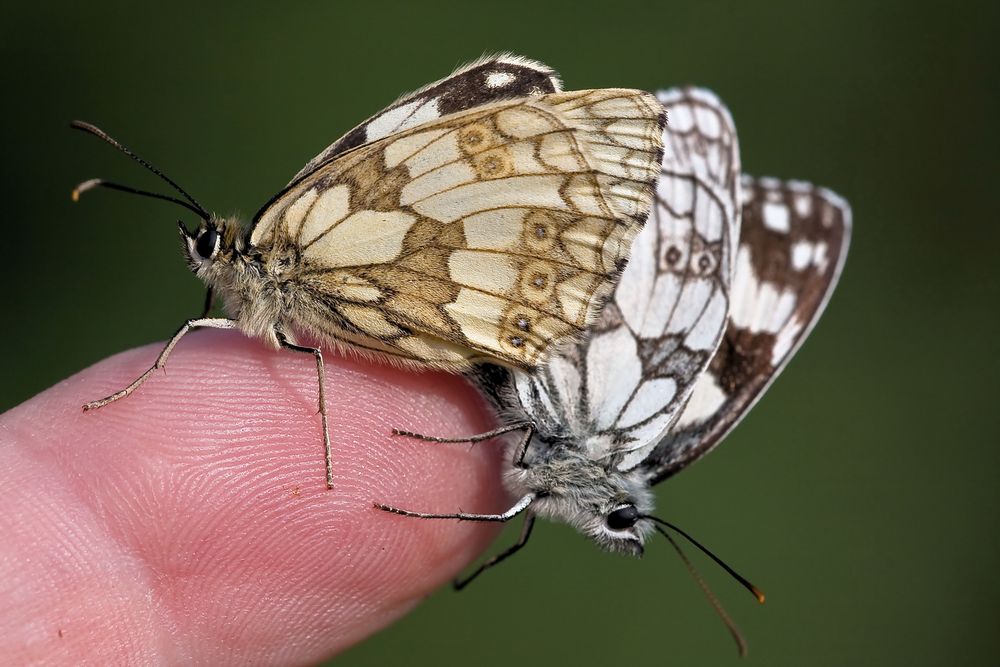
(784, 341)
(437, 180)
(706, 332)
(652, 397)
(331, 206)
(776, 217)
(566, 382)
(681, 119)
(636, 287)
(523, 191)
(706, 399)
(488, 271)
(708, 122)
(802, 254)
(654, 321)
(745, 286)
(709, 218)
(440, 151)
(760, 306)
(805, 254)
(499, 79)
(646, 437)
(297, 210)
(476, 313)
(613, 372)
(781, 312)
(366, 237)
(402, 149)
(819, 258)
(803, 205)
(677, 191)
(402, 117)
(497, 229)
(694, 295)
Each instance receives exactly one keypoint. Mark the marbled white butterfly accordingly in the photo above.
(485, 217)
(722, 287)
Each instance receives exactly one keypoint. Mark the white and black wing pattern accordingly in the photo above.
(489, 79)
(616, 393)
(793, 244)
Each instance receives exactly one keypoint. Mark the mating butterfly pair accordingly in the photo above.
(480, 224)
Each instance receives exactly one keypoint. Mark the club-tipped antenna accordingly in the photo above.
(741, 643)
(191, 204)
(101, 183)
(757, 593)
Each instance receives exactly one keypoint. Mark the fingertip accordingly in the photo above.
(218, 465)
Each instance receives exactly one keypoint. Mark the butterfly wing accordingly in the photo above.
(793, 245)
(487, 80)
(489, 234)
(617, 392)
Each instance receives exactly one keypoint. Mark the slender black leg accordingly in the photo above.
(209, 300)
(321, 375)
(529, 522)
(522, 445)
(201, 323)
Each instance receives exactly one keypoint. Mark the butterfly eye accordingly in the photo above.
(207, 242)
(623, 517)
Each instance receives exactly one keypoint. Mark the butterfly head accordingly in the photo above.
(213, 244)
(621, 528)
(609, 507)
(211, 249)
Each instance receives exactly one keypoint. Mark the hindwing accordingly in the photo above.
(489, 234)
(618, 391)
(792, 249)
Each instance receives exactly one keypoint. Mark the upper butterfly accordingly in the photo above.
(485, 217)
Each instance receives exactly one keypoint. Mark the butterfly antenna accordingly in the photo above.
(191, 204)
(101, 183)
(741, 643)
(757, 593)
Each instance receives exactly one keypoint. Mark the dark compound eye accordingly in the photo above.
(205, 245)
(623, 517)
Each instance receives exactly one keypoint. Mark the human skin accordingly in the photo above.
(190, 523)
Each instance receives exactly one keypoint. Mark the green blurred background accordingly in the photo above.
(861, 494)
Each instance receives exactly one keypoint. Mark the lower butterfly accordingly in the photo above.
(724, 283)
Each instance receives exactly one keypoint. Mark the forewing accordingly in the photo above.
(485, 81)
(792, 248)
(492, 234)
(618, 392)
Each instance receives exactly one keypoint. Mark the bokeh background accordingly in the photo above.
(861, 494)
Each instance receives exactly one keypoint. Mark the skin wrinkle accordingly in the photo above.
(215, 543)
(85, 524)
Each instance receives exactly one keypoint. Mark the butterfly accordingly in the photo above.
(484, 217)
(723, 285)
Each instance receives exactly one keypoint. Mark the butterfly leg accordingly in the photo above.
(209, 302)
(529, 522)
(321, 376)
(200, 323)
(522, 445)
(518, 507)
